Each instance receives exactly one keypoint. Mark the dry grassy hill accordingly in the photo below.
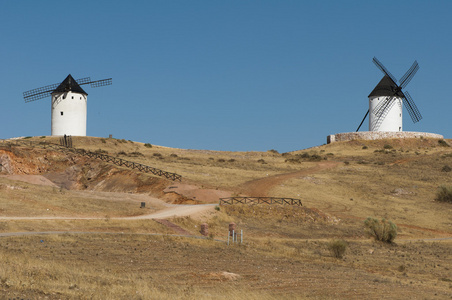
(112, 248)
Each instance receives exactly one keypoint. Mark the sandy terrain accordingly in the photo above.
(33, 179)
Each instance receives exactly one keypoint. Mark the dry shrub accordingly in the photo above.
(337, 248)
(383, 230)
(444, 194)
(443, 143)
(446, 168)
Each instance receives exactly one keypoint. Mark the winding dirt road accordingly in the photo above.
(261, 187)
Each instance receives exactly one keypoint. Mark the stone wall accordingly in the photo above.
(377, 135)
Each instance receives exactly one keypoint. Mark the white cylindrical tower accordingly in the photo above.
(69, 109)
(390, 116)
(385, 107)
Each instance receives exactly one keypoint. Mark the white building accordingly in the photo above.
(385, 106)
(69, 109)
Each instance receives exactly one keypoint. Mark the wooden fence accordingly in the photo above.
(259, 200)
(104, 157)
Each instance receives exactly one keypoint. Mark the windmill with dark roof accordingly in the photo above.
(69, 104)
(386, 101)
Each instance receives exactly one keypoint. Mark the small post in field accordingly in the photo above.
(231, 228)
(204, 229)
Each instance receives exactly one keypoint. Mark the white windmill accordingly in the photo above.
(387, 99)
(69, 104)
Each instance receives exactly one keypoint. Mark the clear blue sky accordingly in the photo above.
(224, 75)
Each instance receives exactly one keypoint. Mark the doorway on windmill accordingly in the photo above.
(61, 112)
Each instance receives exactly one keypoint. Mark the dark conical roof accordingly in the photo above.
(386, 87)
(69, 84)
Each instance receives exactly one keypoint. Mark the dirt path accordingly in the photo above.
(261, 187)
(171, 210)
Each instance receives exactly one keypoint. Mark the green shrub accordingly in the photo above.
(446, 168)
(304, 155)
(365, 147)
(292, 160)
(387, 146)
(315, 157)
(103, 141)
(444, 194)
(101, 151)
(121, 153)
(261, 161)
(43, 137)
(383, 230)
(173, 155)
(148, 145)
(337, 248)
(443, 143)
(273, 151)
(136, 154)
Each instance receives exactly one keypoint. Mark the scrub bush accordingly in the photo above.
(337, 248)
(444, 194)
(383, 230)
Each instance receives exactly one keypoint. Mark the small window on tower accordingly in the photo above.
(80, 98)
(72, 97)
(61, 112)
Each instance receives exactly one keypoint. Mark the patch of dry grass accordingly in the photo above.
(285, 254)
(21, 199)
(146, 267)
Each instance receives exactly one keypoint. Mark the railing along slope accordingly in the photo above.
(104, 157)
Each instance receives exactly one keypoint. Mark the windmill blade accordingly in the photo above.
(383, 69)
(380, 108)
(46, 91)
(387, 105)
(85, 80)
(365, 116)
(39, 93)
(102, 82)
(412, 108)
(409, 75)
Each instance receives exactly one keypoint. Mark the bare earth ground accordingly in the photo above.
(261, 187)
(285, 254)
